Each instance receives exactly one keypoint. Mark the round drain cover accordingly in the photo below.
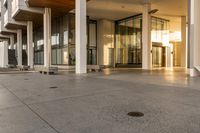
(135, 114)
(53, 87)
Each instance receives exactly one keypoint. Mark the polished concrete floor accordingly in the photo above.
(99, 102)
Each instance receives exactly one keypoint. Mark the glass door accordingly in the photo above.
(158, 56)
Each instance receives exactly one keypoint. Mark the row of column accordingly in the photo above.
(81, 38)
(19, 44)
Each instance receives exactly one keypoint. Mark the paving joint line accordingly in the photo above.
(31, 109)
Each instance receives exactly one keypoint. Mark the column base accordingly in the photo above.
(193, 72)
(46, 70)
(146, 68)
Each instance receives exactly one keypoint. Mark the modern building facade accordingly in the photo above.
(144, 34)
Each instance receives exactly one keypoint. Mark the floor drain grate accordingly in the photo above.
(53, 87)
(135, 114)
(26, 79)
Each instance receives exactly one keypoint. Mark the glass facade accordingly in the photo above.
(63, 42)
(60, 41)
(92, 43)
(38, 46)
(71, 37)
(129, 41)
(160, 41)
(160, 31)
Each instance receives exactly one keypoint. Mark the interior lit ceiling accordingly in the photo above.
(117, 9)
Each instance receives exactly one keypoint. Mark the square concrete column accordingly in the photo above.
(81, 37)
(3, 54)
(146, 38)
(19, 47)
(30, 43)
(47, 37)
(183, 42)
(12, 41)
(194, 43)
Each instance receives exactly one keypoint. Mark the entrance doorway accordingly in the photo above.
(158, 56)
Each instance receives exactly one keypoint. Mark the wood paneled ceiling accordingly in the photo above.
(56, 5)
(59, 5)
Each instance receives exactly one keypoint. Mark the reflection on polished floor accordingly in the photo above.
(99, 102)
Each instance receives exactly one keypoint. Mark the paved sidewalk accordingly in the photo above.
(99, 102)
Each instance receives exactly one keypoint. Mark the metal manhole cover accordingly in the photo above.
(135, 114)
(53, 87)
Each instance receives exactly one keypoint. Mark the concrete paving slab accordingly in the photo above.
(99, 102)
(22, 120)
(8, 100)
(103, 113)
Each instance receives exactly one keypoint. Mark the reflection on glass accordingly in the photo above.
(72, 55)
(60, 40)
(160, 41)
(92, 43)
(160, 31)
(157, 56)
(128, 41)
(72, 29)
(63, 42)
(39, 46)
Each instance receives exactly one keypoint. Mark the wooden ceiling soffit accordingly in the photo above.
(56, 5)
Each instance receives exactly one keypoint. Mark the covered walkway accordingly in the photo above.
(99, 102)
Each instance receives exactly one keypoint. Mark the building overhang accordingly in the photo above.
(58, 6)
(4, 36)
(24, 15)
(14, 26)
(7, 32)
(22, 12)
